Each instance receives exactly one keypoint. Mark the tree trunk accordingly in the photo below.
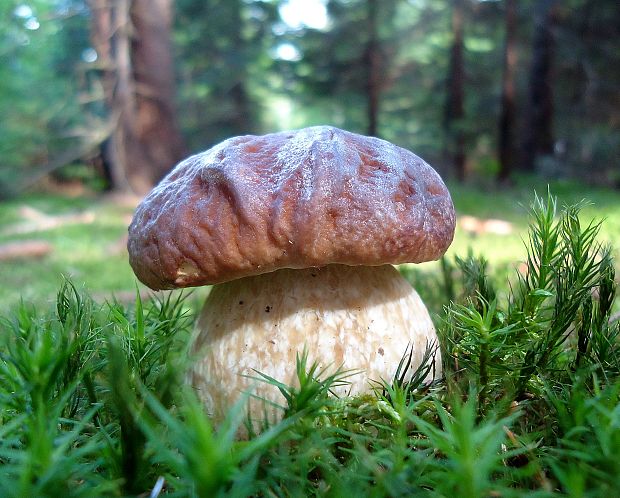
(455, 107)
(506, 148)
(372, 58)
(539, 131)
(103, 26)
(132, 39)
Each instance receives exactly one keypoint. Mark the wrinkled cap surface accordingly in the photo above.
(298, 199)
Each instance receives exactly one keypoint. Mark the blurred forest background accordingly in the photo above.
(107, 95)
(113, 92)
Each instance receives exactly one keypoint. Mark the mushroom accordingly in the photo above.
(298, 231)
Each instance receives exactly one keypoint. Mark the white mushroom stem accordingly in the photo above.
(355, 317)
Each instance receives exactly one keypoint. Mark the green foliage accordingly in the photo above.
(232, 79)
(224, 67)
(39, 108)
(588, 418)
(69, 392)
(471, 453)
(93, 399)
(50, 443)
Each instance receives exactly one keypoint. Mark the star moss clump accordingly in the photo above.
(93, 398)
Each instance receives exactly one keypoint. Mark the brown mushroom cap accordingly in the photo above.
(298, 199)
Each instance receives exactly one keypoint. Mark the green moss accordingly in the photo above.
(93, 400)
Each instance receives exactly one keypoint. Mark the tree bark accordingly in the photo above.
(455, 107)
(506, 146)
(103, 27)
(372, 58)
(132, 39)
(539, 131)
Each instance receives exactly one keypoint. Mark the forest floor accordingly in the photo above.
(45, 237)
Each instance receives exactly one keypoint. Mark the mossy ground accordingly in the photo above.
(93, 400)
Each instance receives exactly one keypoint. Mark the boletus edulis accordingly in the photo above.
(297, 231)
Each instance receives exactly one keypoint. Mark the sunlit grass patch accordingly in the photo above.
(87, 236)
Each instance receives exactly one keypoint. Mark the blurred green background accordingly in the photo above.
(99, 99)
